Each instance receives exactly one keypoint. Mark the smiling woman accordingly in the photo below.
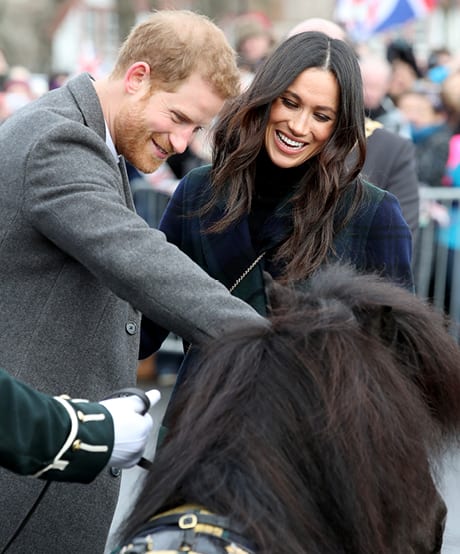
(303, 118)
(282, 197)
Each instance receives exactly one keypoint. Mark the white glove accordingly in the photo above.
(131, 428)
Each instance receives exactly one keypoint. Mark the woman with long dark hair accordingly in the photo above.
(282, 194)
(319, 434)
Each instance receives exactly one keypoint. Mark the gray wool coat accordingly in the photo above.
(77, 268)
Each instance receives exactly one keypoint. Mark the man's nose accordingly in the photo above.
(181, 139)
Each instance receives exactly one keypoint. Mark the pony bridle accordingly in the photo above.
(190, 529)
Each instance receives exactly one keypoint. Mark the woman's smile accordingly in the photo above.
(289, 142)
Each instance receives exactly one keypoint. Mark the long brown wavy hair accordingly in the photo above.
(318, 434)
(239, 137)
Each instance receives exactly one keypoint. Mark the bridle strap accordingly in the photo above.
(192, 521)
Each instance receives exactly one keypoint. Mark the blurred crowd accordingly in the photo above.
(416, 98)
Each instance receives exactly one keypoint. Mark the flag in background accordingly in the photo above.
(364, 18)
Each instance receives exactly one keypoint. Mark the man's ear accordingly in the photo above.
(137, 77)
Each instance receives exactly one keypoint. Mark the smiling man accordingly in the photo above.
(78, 266)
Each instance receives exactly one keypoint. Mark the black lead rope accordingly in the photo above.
(28, 516)
(143, 462)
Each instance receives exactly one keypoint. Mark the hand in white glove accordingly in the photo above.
(131, 428)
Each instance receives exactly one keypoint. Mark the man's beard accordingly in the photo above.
(133, 142)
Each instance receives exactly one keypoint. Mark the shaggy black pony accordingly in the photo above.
(318, 435)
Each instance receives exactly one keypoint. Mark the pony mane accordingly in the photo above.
(317, 434)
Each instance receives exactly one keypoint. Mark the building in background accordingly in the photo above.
(73, 35)
(70, 35)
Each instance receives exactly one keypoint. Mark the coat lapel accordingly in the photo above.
(85, 96)
(84, 93)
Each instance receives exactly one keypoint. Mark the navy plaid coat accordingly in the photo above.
(376, 239)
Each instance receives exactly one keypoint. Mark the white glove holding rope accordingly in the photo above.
(131, 426)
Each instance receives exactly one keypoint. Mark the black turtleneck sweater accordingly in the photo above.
(272, 185)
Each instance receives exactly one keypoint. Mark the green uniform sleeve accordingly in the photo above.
(52, 438)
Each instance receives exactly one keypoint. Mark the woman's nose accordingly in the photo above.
(300, 125)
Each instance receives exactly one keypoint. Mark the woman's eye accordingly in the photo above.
(288, 103)
(322, 117)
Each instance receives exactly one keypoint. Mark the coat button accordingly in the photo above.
(115, 471)
(131, 328)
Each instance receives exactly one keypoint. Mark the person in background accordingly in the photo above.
(60, 439)
(17, 91)
(376, 74)
(78, 266)
(448, 230)
(423, 109)
(405, 70)
(439, 64)
(394, 172)
(253, 42)
(450, 96)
